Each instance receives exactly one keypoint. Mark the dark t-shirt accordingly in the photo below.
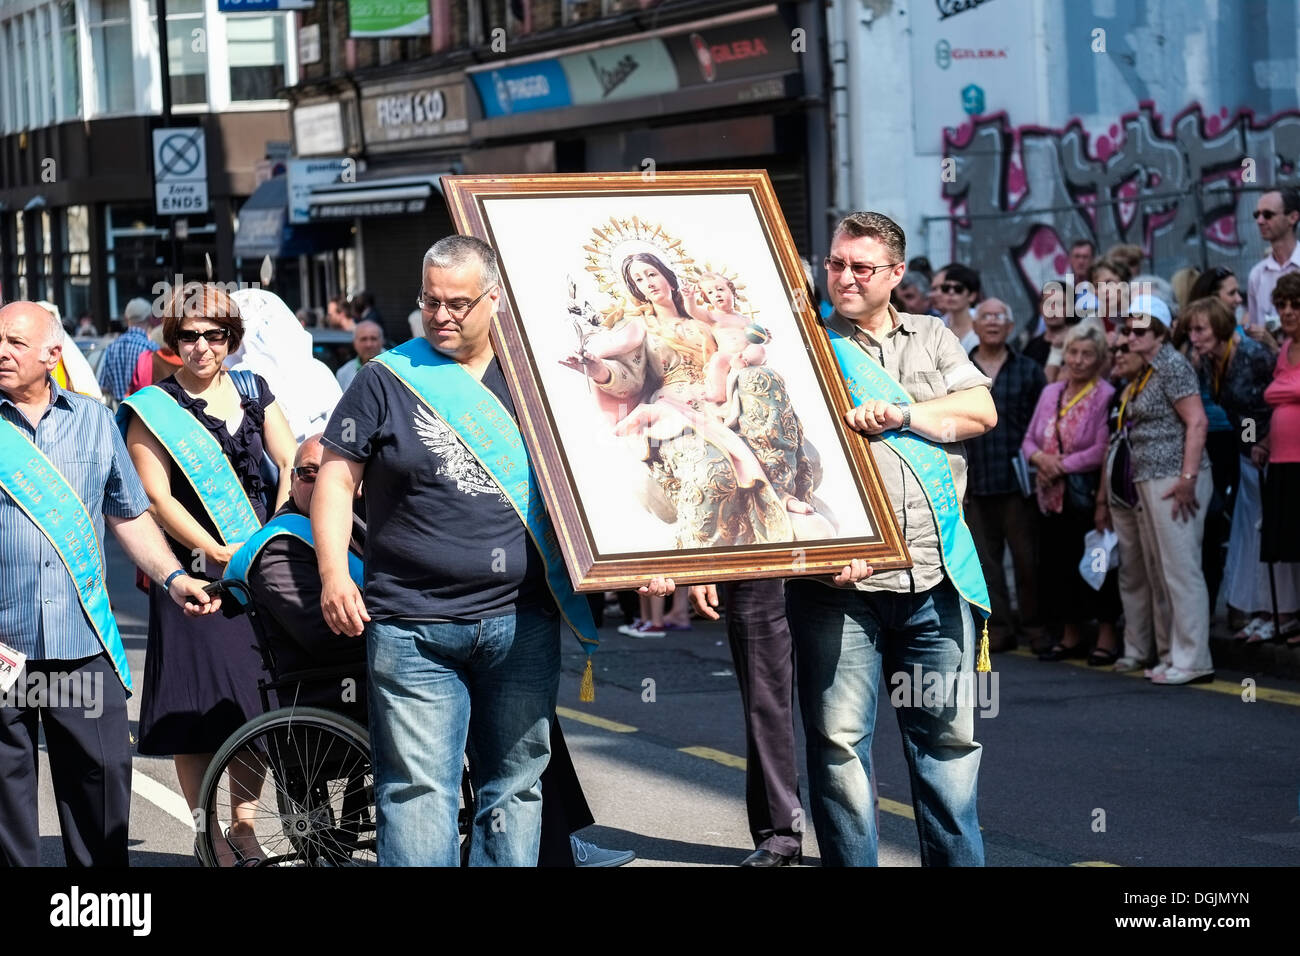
(442, 540)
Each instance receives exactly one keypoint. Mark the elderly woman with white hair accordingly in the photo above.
(1066, 442)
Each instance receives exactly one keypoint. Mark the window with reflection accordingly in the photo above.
(256, 52)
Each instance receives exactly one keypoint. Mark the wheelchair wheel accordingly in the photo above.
(305, 775)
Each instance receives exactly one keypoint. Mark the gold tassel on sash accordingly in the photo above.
(982, 662)
(587, 689)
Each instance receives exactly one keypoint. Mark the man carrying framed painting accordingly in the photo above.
(917, 397)
(466, 592)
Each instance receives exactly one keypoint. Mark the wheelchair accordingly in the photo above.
(313, 799)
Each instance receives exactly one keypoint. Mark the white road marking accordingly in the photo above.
(162, 797)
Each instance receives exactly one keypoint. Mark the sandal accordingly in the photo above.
(1102, 657)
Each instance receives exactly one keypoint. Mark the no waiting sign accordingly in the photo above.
(180, 171)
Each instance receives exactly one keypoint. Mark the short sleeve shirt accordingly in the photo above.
(442, 540)
(40, 613)
(1156, 432)
(928, 361)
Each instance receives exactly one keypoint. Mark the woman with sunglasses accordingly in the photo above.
(1166, 481)
(200, 682)
(1280, 452)
(1234, 371)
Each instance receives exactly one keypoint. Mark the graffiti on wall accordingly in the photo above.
(1019, 196)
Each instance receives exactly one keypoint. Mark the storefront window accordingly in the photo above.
(256, 57)
(110, 38)
(20, 255)
(187, 51)
(70, 57)
(76, 261)
(139, 253)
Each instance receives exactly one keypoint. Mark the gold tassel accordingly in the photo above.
(982, 662)
(587, 689)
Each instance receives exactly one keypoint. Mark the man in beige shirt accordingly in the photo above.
(911, 624)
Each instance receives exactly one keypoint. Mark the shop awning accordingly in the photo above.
(391, 196)
(264, 228)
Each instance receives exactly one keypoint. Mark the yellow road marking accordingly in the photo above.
(1273, 695)
(717, 756)
(1094, 863)
(897, 809)
(585, 718)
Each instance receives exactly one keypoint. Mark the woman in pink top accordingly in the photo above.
(1279, 539)
(1066, 442)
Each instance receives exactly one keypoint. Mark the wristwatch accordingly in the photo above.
(906, 409)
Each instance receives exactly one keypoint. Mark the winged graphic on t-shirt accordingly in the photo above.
(456, 461)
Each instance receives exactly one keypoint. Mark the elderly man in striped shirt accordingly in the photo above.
(64, 473)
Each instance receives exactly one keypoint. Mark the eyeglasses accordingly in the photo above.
(1286, 303)
(306, 473)
(211, 336)
(1122, 349)
(1265, 214)
(952, 288)
(456, 308)
(992, 316)
(860, 270)
(1132, 330)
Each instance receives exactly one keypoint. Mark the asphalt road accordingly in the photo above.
(1080, 767)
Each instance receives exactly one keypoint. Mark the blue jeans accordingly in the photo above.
(439, 690)
(843, 638)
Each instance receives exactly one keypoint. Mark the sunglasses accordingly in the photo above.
(1265, 214)
(306, 473)
(860, 270)
(1122, 349)
(1132, 330)
(211, 336)
(952, 288)
(1286, 303)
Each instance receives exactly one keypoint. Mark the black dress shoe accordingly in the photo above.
(772, 858)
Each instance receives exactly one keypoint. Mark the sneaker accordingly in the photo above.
(1126, 664)
(630, 629)
(646, 629)
(1176, 675)
(1152, 672)
(588, 854)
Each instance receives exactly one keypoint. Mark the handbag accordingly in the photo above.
(1080, 486)
(246, 384)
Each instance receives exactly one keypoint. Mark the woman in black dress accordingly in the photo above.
(200, 680)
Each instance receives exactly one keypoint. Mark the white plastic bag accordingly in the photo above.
(1100, 554)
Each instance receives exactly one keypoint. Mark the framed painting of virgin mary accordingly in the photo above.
(681, 403)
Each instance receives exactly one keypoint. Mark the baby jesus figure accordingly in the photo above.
(740, 341)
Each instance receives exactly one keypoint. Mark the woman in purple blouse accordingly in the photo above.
(1066, 443)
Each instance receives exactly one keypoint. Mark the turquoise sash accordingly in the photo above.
(471, 410)
(866, 379)
(295, 525)
(45, 496)
(200, 459)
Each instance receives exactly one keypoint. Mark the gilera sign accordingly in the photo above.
(413, 112)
